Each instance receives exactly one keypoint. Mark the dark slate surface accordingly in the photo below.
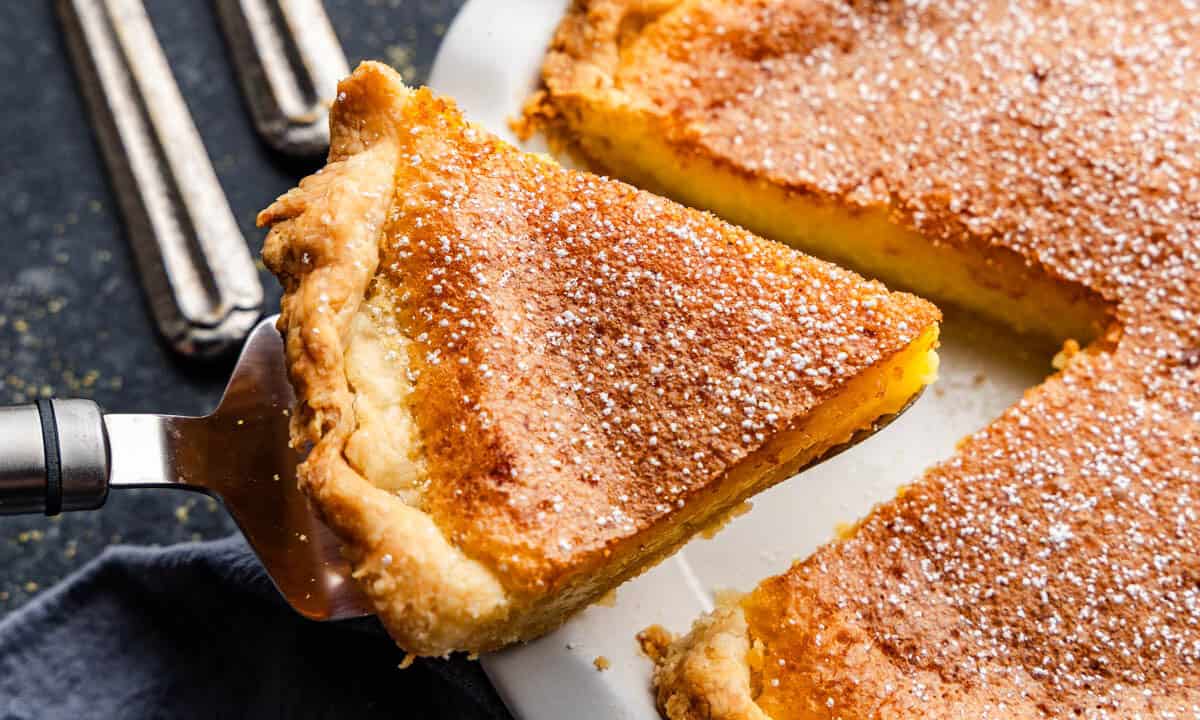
(72, 318)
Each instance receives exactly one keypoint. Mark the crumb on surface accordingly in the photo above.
(608, 599)
(843, 529)
(654, 642)
(1064, 357)
(722, 521)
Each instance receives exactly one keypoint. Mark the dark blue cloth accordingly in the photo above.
(198, 631)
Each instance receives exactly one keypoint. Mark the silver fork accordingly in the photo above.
(199, 277)
(201, 282)
(289, 62)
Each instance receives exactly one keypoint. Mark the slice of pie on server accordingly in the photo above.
(523, 385)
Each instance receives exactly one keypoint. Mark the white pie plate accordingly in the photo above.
(489, 62)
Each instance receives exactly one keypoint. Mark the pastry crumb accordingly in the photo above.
(608, 599)
(654, 642)
(407, 662)
(602, 663)
(536, 114)
(844, 530)
(722, 520)
(1064, 357)
(725, 597)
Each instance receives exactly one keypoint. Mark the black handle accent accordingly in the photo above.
(54, 473)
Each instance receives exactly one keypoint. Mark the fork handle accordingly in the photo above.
(288, 61)
(203, 288)
(54, 456)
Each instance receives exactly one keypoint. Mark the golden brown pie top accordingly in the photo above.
(583, 358)
(1052, 565)
(1065, 131)
(576, 337)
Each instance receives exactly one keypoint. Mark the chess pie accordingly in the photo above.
(1039, 162)
(522, 385)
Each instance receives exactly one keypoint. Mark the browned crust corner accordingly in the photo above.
(325, 266)
(707, 674)
(581, 66)
(323, 245)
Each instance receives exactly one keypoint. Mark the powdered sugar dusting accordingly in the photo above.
(1050, 567)
(612, 352)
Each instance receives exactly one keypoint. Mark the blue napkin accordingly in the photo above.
(198, 631)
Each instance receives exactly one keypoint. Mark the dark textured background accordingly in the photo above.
(72, 317)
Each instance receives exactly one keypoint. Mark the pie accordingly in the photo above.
(649, 91)
(523, 385)
(1038, 162)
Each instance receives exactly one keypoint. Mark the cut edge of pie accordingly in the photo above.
(432, 595)
(583, 109)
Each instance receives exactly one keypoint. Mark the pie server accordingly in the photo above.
(61, 455)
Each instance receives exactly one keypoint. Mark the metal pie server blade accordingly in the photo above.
(240, 453)
(63, 455)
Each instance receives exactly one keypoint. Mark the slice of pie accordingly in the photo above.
(523, 385)
(1037, 161)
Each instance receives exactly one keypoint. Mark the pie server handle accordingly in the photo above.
(55, 457)
(202, 285)
(289, 62)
